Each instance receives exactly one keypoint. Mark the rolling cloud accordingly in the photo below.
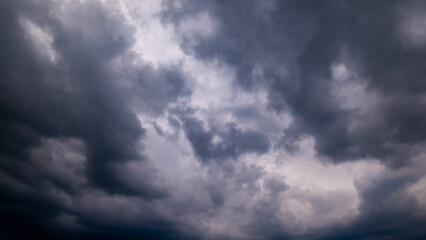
(213, 119)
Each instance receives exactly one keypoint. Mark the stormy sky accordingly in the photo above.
(188, 119)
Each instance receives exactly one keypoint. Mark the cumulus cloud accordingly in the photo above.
(212, 120)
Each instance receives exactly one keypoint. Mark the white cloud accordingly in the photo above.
(319, 194)
(41, 38)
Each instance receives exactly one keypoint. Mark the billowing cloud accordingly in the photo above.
(212, 120)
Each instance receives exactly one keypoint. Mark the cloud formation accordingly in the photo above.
(212, 120)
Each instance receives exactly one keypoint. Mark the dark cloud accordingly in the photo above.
(76, 98)
(96, 142)
(296, 43)
(231, 143)
(154, 89)
(387, 211)
(76, 101)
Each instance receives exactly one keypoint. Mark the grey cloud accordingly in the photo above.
(294, 44)
(264, 220)
(233, 141)
(153, 88)
(387, 211)
(78, 97)
(73, 166)
(275, 185)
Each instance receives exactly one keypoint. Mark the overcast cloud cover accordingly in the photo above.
(272, 119)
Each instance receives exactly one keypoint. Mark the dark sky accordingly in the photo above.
(273, 119)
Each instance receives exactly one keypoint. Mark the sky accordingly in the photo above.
(215, 120)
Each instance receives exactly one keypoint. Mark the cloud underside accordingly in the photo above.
(212, 120)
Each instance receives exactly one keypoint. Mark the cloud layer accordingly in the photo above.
(212, 120)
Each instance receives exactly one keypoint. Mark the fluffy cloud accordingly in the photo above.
(212, 120)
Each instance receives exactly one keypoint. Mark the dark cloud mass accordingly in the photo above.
(233, 142)
(273, 119)
(295, 44)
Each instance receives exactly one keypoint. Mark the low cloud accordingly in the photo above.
(213, 120)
